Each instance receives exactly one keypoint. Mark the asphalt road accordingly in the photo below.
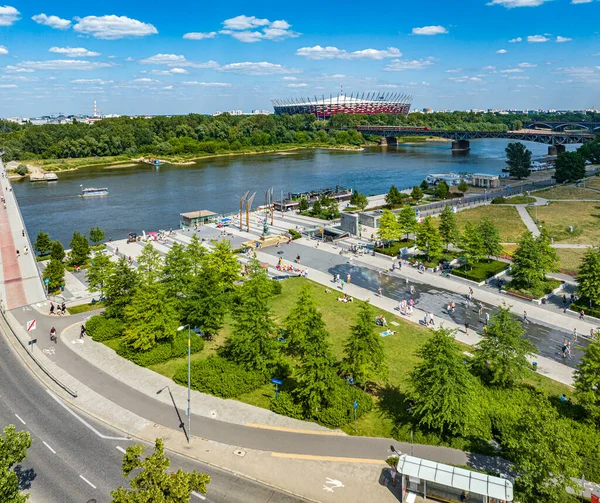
(76, 459)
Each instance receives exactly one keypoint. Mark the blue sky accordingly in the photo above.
(150, 57)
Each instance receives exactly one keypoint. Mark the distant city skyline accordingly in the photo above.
(154, 59)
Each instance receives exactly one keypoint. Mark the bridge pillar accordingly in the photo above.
(552, 150)
(383, 142)
(392, 140)
(560, 149)
(461, 145)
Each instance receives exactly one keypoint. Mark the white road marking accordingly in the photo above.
(87, 481)
(51, 449)
(83, 421)
(20, 419)
(198, 495)
(119, 448)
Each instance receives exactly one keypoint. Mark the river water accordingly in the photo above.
(143, 197)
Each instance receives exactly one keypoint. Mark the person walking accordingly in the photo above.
(53, 335)
(564, 300)
(348, 278)
(581, 314)
(63, 308)
(23, 233)
(487, 318)
(51, 308)
(525, 320)
(575, 334)
(426, 320)
(466, 327)
(431, 322)
(380, 291)
(82, 332)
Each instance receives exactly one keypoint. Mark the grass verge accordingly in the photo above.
(568, 192)
(505, 218)
(583, 217)
(84, 308)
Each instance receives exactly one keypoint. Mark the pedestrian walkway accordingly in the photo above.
(527, 220)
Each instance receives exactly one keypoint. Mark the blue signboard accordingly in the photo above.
(47, 280)
(276, 381)
(355, 405)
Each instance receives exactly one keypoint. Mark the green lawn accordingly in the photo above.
(481, 271)
(568, 192)
(505, 218)
(520, 200)
(558, 216)
(570, 259)
(392, 249)
(84, 308)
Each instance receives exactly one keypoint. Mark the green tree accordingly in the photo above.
(443, 390)
(251, 343)
(389, 229)
(55, 273)
(303, 324)
(570, 167)
(463, 186)
(501, 354)
(533, 259)
(393, 197)
(42, 243)
(407, 220)
(80, 249)
(196, 254)
(224, 263)
(365, 358)
(177, 271)
(98, 273)
(448, 227)
(57, 252)
(150, 264)
(587, 381)
(588, 277)
(359, 200)
(119, 288)
(417, 194)
(150, 317)
(153, 482)
(472, 244)
(13, 450)
(490, 236)
(442, 190)
(428, 239)
(518, 159)
(541, 446)
(591, 151)
(205, 304)
(96, 235)
(424, 185)
(303, 204)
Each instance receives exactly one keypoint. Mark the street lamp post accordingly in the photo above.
(189, 415)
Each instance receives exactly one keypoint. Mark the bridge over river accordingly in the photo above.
(556, 140)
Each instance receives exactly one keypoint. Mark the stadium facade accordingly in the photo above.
(365, 103)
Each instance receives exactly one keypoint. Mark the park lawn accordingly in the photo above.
(558, 216)
(505, 218)
(568, 192)
(569, 259)
(393, 249)
(593, 182)
(84, 308)
(481, 271)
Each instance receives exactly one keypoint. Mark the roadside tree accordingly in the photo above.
(80, 249)
(55, 273)
(359, 200)
(533, 259)
(394, 196)
(448, 227)
(223, 261)
(389, 229)
(463, 186)
(417, 194)
(119, 288)
(587, 381)
(518, 159)
(303, 204)
(177, 271)
(196, 254)
(365, 358)
(424, 185)
(501, 354)
(42, 243)
(428, 239)
(96, 235)
(98, 273)
(591, 151)
(205, 304)
(13, 450)
(442, 190)
(407, 220)
(490, 236)
(588, 277)
(570, 167)
(153, 481)
(57, 252)
(150, 264)
(303, 325)
(472, 244)
(443, 390)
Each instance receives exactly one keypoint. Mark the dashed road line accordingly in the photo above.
(198, 495)
(17, 415)
(87, 481)
(50, 448)
(119, 448)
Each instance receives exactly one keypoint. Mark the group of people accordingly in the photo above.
(381, 321)
(345, 298)
(62, 309)
(428, 320)
(406, 307)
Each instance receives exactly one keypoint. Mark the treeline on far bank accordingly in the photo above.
(199, 135)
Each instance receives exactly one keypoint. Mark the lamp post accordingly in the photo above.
(189, 415)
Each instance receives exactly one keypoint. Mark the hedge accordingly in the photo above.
(100, 328)
(294, 234)
(584, 303)
(219, 377)
(481, 270)
(162, 352)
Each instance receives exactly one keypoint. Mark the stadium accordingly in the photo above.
(365, 103)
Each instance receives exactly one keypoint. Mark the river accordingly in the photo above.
(143, 197)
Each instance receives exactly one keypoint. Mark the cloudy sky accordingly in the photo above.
(150, 57)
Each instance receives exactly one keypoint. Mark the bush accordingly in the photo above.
(100, 328)
(286, 406)
(294, 234)
(219, 377)
(534, 291)
(499, 200)
(584, 303)
(277, 288)
(162, 352)
(393, 249)
(22, 170)
(481, 271)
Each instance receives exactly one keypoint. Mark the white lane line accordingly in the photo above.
(51, 449)
(119, 448)
(17, 415)
(198, 495)
(87, 481)
(83, 421)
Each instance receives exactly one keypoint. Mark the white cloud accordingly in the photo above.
(526, 65)
(509, 4)
(8, 86)
(3, 50)
(561, 40)
(518, 77)
(52, 21)
(179, 71)
(537, 39)
(8, 15)
(289, 78)
(172, 71)
(195, 35)
(515, 40)
(113, 27)
(207, 84)
(61, 64)
(512, 70)
(168, 87)
(387, 86)
(501, 51)
(581, 1)
(489, 68)
(465, 79)
(16, 69)
(429, 30)
(454, 70)
(18, 78)
(73, 52)
(297, 85)
(399, 65)
(251, 29)
(98, 82)
(260, 68)
(145, 80)
(329, 52)
(177, 60)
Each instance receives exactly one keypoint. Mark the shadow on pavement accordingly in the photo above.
(385, 479)
(25, 476)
